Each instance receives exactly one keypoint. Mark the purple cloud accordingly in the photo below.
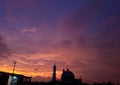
(4, 50)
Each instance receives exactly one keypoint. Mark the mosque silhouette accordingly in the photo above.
(67, 77)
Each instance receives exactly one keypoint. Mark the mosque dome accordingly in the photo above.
(67, 75)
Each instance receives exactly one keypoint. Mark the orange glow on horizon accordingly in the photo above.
(33, 74)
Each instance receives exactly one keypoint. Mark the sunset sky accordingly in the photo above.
(82, 35)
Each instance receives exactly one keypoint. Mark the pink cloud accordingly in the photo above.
(28, 30)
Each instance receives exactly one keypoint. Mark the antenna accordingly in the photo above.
(14, 64)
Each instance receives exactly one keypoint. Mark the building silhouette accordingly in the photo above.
(67, 78)
(14, 79)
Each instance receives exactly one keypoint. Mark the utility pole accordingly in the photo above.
(14, 64)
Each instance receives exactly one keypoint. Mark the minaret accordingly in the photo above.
(54, 73)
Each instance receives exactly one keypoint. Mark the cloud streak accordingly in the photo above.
(4, 50)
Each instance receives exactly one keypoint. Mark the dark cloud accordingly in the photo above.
(4, 50)
(66, 43)
(107, 46)
(101, 75)
(96, 27)
(89, 18)
(107, 43)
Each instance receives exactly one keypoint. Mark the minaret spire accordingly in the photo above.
(54, 73)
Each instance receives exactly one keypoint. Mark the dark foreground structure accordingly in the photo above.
(67, 78)
(14, 79)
